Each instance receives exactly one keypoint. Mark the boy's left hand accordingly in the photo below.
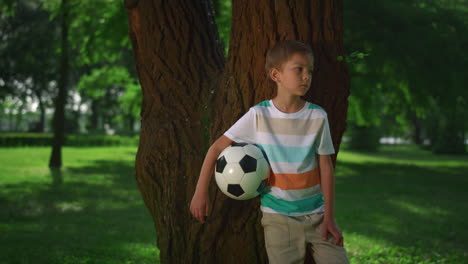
(330, 226)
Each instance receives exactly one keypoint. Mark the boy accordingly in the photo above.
(297, 205)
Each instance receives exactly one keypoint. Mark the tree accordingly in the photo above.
(28, 64)
(416, 63)
(186, 80)
(60, 102)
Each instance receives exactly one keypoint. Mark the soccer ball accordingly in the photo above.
(240, 170)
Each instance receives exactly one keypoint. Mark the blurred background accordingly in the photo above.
(400, 173)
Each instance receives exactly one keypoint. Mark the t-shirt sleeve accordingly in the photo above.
(324, 143)
(243, 131)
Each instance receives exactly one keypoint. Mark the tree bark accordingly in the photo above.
(59, 114)
(184, 78)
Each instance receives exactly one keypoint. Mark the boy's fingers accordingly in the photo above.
(202, 217)
(337, 236)
(324, 234)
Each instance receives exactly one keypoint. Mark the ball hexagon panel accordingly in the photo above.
(234, 154)
(248, 164)
(235, 189)
(250, 182)
(220, 164)
(233, 173)
(253, 151)
(222, 184)
(263, 169)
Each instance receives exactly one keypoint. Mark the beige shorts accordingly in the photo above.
(286, 238)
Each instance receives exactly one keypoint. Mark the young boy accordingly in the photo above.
(298, 204)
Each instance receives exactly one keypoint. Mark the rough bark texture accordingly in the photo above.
(184, 78)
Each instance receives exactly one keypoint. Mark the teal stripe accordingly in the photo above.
(278, 153)
(300, 206)
(264, 103)
(314, 106)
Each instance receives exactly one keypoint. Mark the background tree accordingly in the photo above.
(28, 65)
(413, 77)
(185, 80)
(60, 101)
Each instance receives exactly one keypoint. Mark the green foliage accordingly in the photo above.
(416, 55)
(364, 138)
(98, 29)
(446, 127)
(223, 21)
(6, 8)
(131, 100)
(95, 83)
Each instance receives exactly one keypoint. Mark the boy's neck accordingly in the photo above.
(290, 104)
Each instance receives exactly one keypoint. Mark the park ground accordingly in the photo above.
(400, 205)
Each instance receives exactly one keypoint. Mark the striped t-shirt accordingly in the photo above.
(290, 142)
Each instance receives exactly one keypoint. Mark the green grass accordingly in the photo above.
(401, 205)
(91, 212)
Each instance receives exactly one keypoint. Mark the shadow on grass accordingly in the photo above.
(404, 205)
(91, 214)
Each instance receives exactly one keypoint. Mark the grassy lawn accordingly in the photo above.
(91, 213)
(401, 205)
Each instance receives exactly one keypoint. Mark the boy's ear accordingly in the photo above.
(274, 74)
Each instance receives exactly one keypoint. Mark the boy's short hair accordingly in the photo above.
(281, 52)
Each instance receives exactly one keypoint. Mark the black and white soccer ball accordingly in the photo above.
(240, 171)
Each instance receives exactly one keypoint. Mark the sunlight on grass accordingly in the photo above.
(90, 211)
(362, 249)
(426, 211)
(69, 206)
(404, 155)
(400, 205)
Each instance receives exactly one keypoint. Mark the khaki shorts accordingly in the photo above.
(286, 238)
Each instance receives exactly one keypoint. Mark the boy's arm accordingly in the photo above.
(199, 206)
(327, 182)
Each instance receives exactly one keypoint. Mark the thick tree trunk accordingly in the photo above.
(181, 70)
(59, 114)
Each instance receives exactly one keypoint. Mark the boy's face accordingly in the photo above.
(296, 75)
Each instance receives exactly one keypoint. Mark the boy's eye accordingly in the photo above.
(310, 70)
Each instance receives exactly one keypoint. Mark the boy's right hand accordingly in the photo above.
(199, 207)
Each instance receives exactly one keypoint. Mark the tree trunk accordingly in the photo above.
(417, 129)
(131, 122)
(59, 114)
(94, 115)
(180, 65)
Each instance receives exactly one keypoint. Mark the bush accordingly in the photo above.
(364, 138)
(45, 139)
